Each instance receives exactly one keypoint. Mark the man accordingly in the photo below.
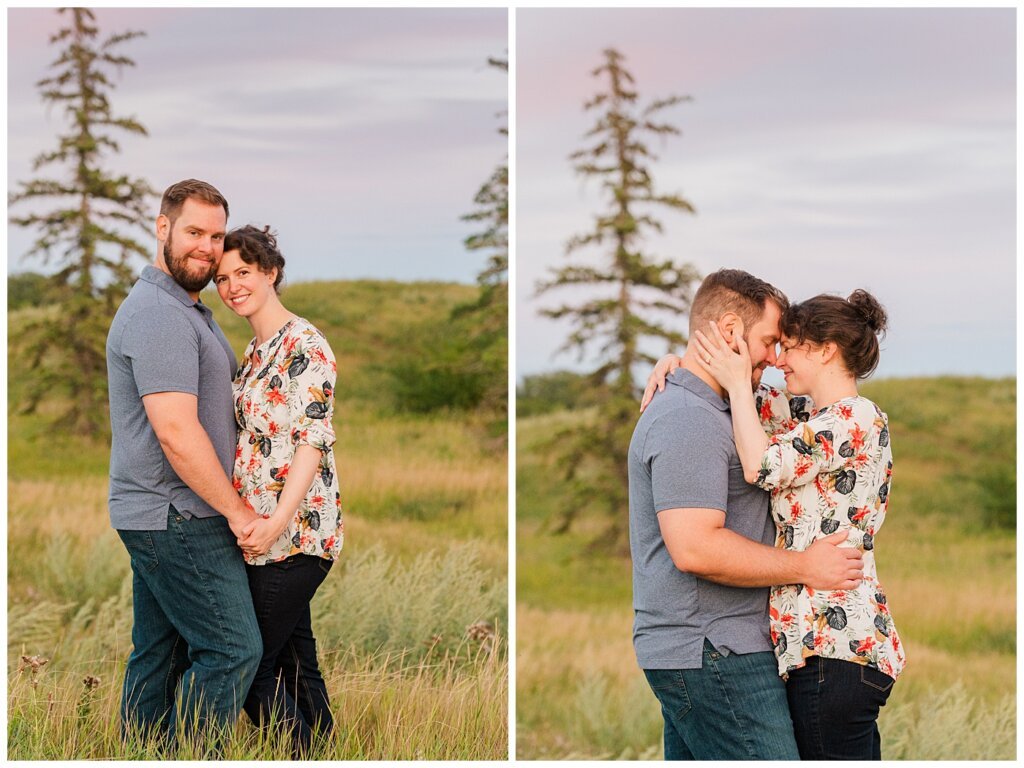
(171, 499)
(701, 541)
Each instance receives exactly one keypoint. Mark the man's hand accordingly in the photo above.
(260, 534)
(656, 381)
(240, 522)
(829, 566)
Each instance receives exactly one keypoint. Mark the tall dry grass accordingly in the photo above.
(412, 649)
(411, 624)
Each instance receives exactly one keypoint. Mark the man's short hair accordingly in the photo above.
(733, 290)
(176, 195)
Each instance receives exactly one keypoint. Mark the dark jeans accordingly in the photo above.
(288, 686)
(835, 706)
(196, 643)
(732, 708)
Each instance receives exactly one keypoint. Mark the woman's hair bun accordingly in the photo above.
(869, 308)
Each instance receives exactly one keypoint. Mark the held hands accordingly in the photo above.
(830, 567)
(239, 522)
(260, 534)
(730, 365)
(656, 381)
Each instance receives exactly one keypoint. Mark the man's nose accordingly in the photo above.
(206, 245)
(772, 358)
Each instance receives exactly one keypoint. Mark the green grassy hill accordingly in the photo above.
(425, 559)
(947, 556)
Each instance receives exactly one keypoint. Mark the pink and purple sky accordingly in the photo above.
(361, 135)
(824, 150)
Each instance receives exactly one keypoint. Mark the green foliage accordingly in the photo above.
(631, 288)
(556, 391)
(84, 235)
(29, 289)
(435, 374)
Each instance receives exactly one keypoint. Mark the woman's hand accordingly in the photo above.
(656, 381)
(259, 535)
(731, 369)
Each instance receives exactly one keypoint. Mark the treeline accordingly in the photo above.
(30, 289)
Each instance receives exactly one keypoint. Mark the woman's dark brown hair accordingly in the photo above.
(257, 246)
(852, 324)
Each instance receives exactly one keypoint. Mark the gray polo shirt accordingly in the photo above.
(682, 455)
(162, 341)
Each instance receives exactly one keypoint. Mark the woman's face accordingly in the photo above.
(800, 364)
(243, 287)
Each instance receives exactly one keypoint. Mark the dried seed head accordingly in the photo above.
(90, 682)
(481, 631)
(35, 663)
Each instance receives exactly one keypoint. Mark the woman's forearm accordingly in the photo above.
(300, 476)
(750, 437)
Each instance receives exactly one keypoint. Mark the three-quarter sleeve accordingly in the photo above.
(312, 373)
(796, 457)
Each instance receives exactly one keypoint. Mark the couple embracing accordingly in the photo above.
(760, 624)
(223, 485)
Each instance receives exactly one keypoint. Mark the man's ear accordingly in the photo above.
(163, 227)
(729, 325)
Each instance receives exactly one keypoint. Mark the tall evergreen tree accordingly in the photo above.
(84, 234)
(488, 345)
(638, 295)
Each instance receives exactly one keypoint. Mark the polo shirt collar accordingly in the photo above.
(688, 381)
(166, 283)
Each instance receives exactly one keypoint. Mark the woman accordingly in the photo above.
(284, 468)
(828, 469)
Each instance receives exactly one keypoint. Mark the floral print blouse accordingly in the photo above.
(829, 470)
(284, 397)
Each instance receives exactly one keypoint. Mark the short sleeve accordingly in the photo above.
(795, 458)
(163, 348)
(689, 462)
(312, 375)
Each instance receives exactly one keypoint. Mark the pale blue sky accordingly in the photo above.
(824, 150)
(362, 135)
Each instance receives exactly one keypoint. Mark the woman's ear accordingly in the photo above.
(828, 351)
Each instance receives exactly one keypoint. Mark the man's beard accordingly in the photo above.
(178, 267)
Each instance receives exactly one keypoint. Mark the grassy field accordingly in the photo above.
(947, 557)
(425, 560)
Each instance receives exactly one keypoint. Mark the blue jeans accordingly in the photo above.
(835, 706)
(196, 642)
(288, 685)
(732, 708)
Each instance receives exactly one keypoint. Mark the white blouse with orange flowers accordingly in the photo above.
(829, 470)
(284, 397)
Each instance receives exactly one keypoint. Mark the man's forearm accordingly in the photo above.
(734, 560)
(193, 458)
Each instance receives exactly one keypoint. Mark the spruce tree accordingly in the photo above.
(636, 296)
(83, 215)
(488, 314)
